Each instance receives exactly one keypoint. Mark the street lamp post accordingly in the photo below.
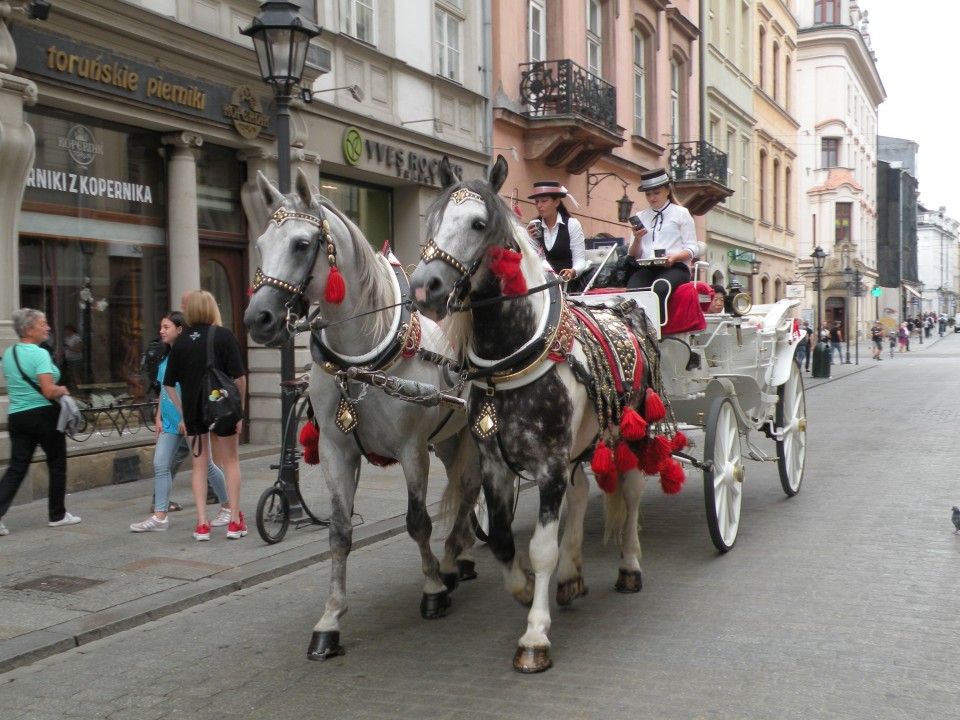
(281, 37)
(821, 353)
(848, 283)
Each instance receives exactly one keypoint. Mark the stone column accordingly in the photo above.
(17, 151)
(183, 235)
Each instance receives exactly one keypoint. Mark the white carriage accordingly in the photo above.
(735, 377)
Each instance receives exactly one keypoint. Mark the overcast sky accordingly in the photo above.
(918, 56)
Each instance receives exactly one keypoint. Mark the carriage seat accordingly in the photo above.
(685, 308)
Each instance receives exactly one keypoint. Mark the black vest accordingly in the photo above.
(560, 257)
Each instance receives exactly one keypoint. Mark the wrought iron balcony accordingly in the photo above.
(569, 115)
(561, 87)
(699, 172)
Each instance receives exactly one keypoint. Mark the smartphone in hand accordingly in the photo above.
(636, 222)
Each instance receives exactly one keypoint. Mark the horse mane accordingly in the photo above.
(369, 275)
(503, 223)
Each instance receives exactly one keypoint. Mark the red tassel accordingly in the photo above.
(672, 477)
(624, 459)
(505, 266)
(249, 292)
(602, 463)
(518, 211)
(680, 442)
(380, 460)
(607, 482)
(653, 409)
(336, 288)
(310, 440)
(632, 426)
(656, 451)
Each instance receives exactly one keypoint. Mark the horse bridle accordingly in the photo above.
(297, 292)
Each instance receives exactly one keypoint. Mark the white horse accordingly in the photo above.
(310, 252)
(534, 406)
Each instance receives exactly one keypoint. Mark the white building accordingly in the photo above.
(937, 257)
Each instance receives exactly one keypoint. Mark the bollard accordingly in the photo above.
(820, 368)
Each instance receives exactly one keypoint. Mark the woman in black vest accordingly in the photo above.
(558, 235)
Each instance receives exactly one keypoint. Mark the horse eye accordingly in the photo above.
(303, 245)
(479, 225)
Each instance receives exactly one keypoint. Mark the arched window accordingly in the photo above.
(674, 100)
(762, 185)
(640, 81)
(761, 56)
(776, 192)
(787, 196)
(594, 38)
(775, 69)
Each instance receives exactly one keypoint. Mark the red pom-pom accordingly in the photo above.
(679, 442)
(249, 292)
(672, 477)
(632, 426)
(310, 440)
(336, 288)
(607, 482)
(602, 463)
(653, 409)
(655, 452)
(505, 265)
(624, 459)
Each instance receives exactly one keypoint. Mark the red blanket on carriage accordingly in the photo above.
(685, 307)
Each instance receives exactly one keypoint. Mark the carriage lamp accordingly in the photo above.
(281, 37)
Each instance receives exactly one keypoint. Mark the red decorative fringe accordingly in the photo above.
(632, 426)
(379, 460)
(680, 442)
(310, 440)
(655, 452)
(624, 459)
(602, 463)
(505, 266)
(607, 482)
(653, 408)
(672, 477)
(336, 288)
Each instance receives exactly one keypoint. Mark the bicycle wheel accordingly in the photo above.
(273, 515)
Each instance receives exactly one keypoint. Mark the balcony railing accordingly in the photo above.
(698, 161)
(561, 87)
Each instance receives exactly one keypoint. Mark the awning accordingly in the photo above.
(912, 291)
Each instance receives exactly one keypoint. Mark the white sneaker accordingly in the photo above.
(3, 530)
(223, 518)
(68, 519)
(151, 524)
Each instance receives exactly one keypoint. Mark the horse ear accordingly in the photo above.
(498, 174)
(302, 188)
(447, 178)
(271, 196)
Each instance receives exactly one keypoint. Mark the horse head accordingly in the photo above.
(297, 257)
(467, 227)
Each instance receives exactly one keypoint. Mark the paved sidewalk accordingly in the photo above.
(128, 579)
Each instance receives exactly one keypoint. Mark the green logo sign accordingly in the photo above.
(352, 146)
(876, 292)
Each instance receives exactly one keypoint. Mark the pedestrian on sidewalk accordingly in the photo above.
(876, 334)
(172, 447)
(804, 346)
(33, 416)
(904, 338)
(836, 342)
(942, 324)
(893, 342)
(187, 363)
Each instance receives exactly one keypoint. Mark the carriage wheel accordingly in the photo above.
(273, 515)
(723, 482)
(480, 518)
(791, 421)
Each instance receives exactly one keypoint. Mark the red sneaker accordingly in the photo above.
(236, 530)
(202, 532)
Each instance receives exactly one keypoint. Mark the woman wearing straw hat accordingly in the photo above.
(666, 230)
(558, 235)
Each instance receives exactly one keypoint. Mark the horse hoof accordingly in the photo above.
(570, 590)
(434, 606)
(325, 644)
(467, 569)
(532, 660)
(450, 580)
(629, 581)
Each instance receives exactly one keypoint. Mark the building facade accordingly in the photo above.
(141, 129)
(837, 157)
(938, 236)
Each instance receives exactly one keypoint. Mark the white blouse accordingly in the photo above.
(671, 229)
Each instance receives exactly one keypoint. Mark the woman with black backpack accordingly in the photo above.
(205, 340)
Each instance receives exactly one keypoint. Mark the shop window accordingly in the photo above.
(219, 174)
(368, 206)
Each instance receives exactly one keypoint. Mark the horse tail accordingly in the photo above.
(614, 513)
(454, 492)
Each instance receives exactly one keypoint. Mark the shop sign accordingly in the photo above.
(407, 164)
(61, 60)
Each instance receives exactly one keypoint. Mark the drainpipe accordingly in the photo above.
(702, 58)
(487, 11)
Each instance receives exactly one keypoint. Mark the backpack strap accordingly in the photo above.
(210, 337)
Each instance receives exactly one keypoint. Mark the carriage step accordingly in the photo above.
(755, 453)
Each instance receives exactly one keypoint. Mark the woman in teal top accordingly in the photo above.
(33, 391)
